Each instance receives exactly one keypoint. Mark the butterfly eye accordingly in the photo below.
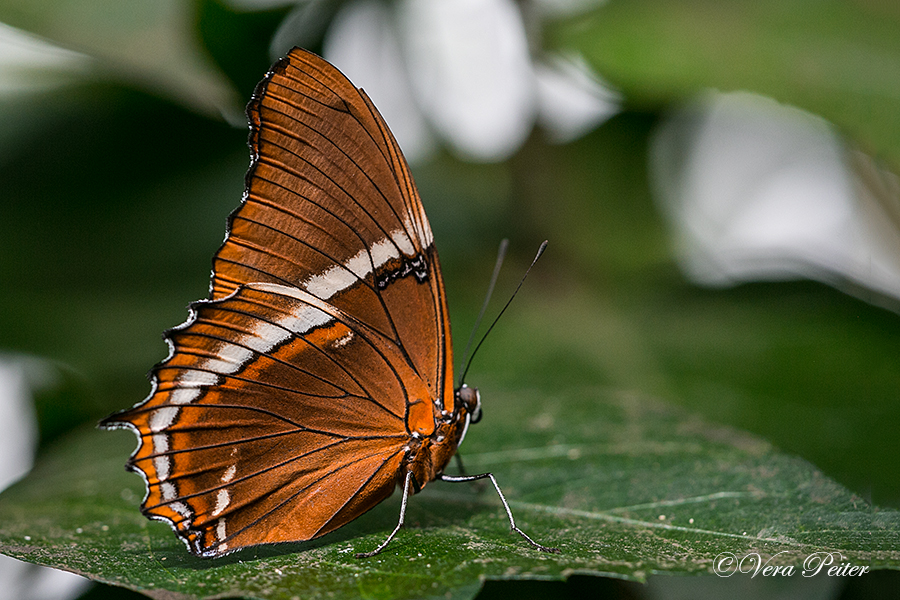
(471, 400)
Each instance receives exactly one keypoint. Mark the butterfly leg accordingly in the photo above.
(479, 484)
(512, 521)
(406, 483)
(459, 464)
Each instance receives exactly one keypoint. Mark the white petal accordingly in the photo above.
(303, 26)
(757, 190)
(471, 71)
(18, 439)
(571, 99)
(362, 44)
(18, 425)
(29, 64)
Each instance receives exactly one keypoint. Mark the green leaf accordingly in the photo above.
(622, 484)
(837, 59)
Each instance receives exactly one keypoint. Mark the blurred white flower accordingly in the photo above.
(18, 442)
(360, 41)
(463, 71)
(471, 72)
(755, 190)
(29, 64)
(572, 99)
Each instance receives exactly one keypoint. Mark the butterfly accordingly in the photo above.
(317, 376)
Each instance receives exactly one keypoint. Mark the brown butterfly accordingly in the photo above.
(318, 375)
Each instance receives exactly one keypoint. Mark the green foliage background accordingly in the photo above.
(614, 392)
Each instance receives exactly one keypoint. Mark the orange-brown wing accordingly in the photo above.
(269, 421)
(285, 405)
(331, 208)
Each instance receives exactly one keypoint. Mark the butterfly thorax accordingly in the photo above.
(429, 455)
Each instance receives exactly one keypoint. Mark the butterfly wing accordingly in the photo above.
(285, 406)
(330, 207)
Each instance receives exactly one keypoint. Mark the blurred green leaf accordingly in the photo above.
(623, 484)
(150, 45)
(116, 203)
(837, 59)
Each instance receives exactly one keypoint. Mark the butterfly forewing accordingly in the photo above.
(331, 207)
(286, 405)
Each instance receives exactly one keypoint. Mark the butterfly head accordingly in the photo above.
(471, 401)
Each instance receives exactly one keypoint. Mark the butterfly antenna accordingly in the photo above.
(501, 256)
(503, 310)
